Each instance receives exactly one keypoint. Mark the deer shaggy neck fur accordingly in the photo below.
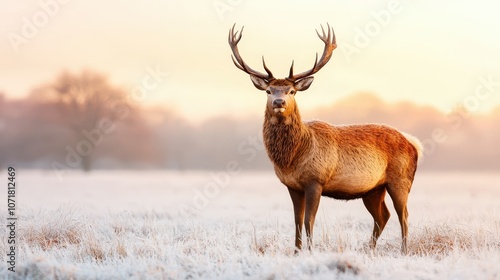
(286, 138)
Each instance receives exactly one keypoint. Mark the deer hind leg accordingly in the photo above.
(375, 204)
(399, 195)
(298, 200)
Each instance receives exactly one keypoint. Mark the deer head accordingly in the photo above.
(281, 92)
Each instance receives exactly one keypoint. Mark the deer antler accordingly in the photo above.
(234, 39)
(330, 45)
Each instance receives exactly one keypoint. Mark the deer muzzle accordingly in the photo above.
(279, 105)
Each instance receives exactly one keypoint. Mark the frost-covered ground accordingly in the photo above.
(203, 225)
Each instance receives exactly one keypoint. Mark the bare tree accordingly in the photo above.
(84, 101)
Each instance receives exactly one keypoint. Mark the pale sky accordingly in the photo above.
(428, 52)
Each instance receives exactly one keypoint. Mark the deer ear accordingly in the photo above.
(304, 84)
(259, 82)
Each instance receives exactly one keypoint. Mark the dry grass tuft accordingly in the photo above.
(120, 249)
(269, 243)
(94, 249)
(441, 241)
(49, 229)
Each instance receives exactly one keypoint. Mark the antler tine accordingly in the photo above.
(269, 74)
(230, 39)
(234, 39)
(237, 64)
(330, 45)
(323, 36)
(327, 38)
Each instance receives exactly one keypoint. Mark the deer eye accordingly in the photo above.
(292, 92)
(268, 91)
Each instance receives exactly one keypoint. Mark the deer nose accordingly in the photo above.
(279, 103)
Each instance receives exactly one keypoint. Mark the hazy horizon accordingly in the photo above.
(45, 136)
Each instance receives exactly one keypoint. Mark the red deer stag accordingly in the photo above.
(314, 159)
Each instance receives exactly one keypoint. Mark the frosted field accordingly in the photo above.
(168, 225)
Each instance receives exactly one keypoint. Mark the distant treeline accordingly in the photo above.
(82, 122)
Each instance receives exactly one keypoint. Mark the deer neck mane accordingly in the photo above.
(285, 138)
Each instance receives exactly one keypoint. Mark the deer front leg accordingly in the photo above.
(298, 200)
(312, 197)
